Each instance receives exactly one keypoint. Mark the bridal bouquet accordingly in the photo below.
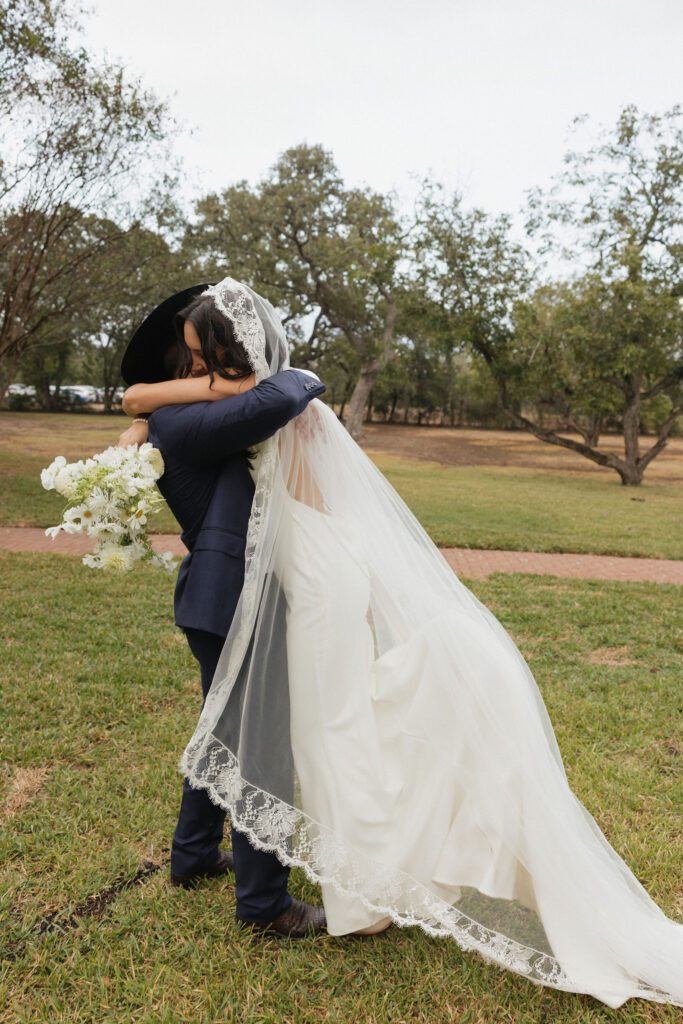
(110, 497)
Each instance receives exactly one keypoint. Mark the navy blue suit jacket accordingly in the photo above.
(209, 489)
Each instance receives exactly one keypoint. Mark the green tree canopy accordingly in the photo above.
(327, 255)
(80, 152)
(608, 343)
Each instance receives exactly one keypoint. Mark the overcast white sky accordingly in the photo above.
(480, 92)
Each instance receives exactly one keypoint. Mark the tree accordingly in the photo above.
(326, 255)
(78, 145)
(46, 368)
(472, 275)
(614, 343)
(618, 202)
(394, 385)
(610, 343)
(144, 268)
(599, 349)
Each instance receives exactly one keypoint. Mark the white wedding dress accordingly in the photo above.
(360, 753)
(381, 761)
(429, 787)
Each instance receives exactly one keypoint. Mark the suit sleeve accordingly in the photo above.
(204, 433)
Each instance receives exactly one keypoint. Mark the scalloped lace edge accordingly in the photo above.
(275, 826)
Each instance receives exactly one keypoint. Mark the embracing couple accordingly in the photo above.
(365, 717)
(209, 489)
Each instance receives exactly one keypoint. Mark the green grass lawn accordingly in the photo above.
(520, 508)
(100, 696)
(527, 510)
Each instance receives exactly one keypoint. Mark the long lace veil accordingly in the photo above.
(523, 876)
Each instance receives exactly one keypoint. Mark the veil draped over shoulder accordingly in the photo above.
(442, 800)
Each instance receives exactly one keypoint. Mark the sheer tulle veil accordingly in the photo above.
(523, 875)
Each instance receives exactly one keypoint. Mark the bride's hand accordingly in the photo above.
(308, 422)
(135, 434)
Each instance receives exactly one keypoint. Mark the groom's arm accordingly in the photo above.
(204, 433)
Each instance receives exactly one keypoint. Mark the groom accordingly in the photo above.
(209, 489)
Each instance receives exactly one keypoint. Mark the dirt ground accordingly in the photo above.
(511, 448)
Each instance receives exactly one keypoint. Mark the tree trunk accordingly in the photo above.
(49, 399)
(370, 368)
(368, 415)
(345, 398)
(361, 392)
(394, 399)
(590, 429)
(592, 435)
(7, 375)
(632, 474)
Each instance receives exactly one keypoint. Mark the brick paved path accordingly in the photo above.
(464, 561)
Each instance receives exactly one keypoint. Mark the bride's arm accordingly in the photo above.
(147, 398)
(300, 478)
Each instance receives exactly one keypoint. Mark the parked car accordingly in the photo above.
(75, 394)
(78, 393)
(90, 393)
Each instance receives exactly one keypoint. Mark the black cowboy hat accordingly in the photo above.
(144, 358)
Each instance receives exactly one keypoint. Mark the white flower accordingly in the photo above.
(65, 481)
(138, 517)
(116, 557)
(111, 458)
(47, 477)
(167, 561)
(98, 501)
(106, 529)
(78, 517)
(155, 460)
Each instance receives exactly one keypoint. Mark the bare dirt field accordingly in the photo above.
(511, 448)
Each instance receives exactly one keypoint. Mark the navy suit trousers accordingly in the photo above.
(260, 878)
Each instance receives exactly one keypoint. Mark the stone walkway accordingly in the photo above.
(464, 561)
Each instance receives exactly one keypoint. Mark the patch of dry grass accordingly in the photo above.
(610, 656)
(25, 784)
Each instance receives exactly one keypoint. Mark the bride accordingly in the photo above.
(429, 788)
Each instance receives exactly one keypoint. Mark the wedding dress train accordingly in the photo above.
(412, 782)
(429, 787)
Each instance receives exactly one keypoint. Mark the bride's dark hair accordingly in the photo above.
(216, 335)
